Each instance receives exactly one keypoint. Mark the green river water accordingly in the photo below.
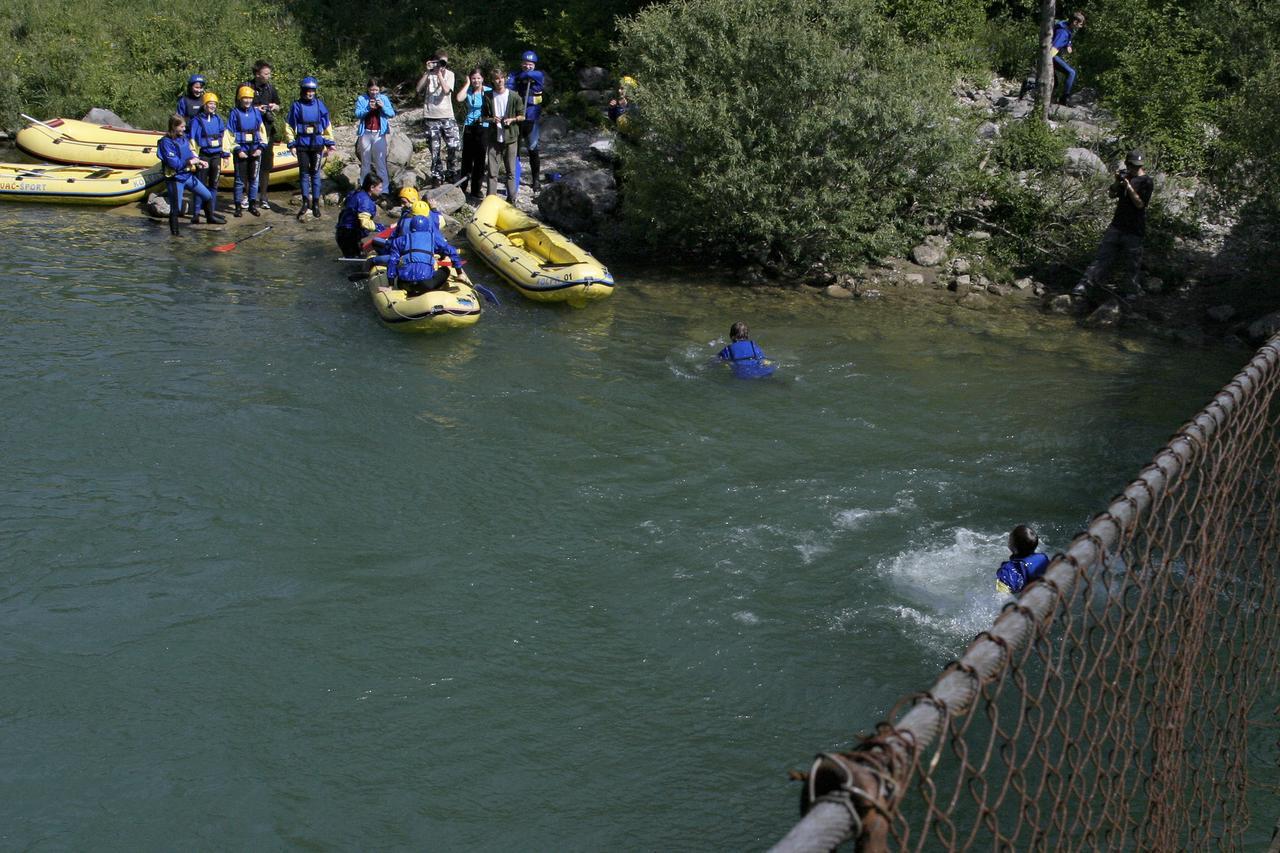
(278, 577)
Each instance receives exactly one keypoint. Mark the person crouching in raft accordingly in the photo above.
(411, 259)
(180, 168)
(309, 120)
(191, 102)
(211, 139)
(249, 136)
(355, 221)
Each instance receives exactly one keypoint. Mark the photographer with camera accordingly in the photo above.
(373, 111)
(1133, 188)
(436, 87)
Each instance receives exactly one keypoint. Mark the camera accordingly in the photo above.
(1122, 175)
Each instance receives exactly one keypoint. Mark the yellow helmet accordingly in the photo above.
(420, 208)
(629, 82)
(244, 92)
(209, 98)
(408, 194)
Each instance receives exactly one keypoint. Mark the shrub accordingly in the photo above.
(1031, 144)
(821, 135)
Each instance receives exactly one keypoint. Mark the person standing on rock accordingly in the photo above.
(1133, 188)
(309, 119)
(436, 87)
(266, 100)
(530, 83)
(1064, 33)
(473, 130)
(503, 111)
(373, 123)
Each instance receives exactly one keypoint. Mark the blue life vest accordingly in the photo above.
(206, 134)
(413, 256)
(189, 108)
(357, 202)
(310, 123)
(174, 155)
(529, 85)
(244, 127)
(747, 360)
(1016, 573)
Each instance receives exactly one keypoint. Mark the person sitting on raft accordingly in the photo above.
(180, 169)
(355, 222)
(411, 258)
(192, 101)
(210, 137)
(741, 347)
(1024, 565)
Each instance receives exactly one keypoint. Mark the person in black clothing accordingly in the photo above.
(267, 101)
(1133, 188)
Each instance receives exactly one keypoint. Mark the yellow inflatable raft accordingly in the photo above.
(537, 260)
(66, 140)
(454, 307)
(75, 184)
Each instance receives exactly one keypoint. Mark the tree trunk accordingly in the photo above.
(1044, 69)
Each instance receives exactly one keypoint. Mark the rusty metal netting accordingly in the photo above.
(1109, 707)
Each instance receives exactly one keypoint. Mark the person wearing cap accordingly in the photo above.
(191, 102)
(503, 110)
(309, 120)
(212, 141)
(248, 139)
(530, 84)
(266, 100)
(436, 87)
(355, 220)
(373, 123)
(1132, 189)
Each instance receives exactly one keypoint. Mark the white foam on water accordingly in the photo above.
(746, 617)
(852, 519)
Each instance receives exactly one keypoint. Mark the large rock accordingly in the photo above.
(1264, 327)
(927, 255)
(100, 115)
(399, 151)
(973, 300)
(594, 77)
(1107, 314)
(603, 150)
(349, 177)
(578, 202)
(595, 97)
(553, 128)
(446, 198)
(1082, 162)
(157, 205)
(988, 130)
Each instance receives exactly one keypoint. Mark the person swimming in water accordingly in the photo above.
(742, 354)
(1025, 563)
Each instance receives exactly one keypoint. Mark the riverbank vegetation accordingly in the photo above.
(788, 129)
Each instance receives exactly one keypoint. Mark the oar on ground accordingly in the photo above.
(227, 247)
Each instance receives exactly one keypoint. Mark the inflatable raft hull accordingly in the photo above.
(535, 259)
(80, 143)
(75, 184)
(455, 307)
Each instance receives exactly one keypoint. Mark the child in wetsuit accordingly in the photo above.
(1024, 565)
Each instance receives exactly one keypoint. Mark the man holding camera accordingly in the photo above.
(1133, 188)
(436, 87)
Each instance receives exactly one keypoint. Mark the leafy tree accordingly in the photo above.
(802, 128)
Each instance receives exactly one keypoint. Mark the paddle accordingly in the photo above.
(37, 121)
(227, 247)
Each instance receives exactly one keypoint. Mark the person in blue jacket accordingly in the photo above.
(1024, 565)
(191, 103)
(355, 220)
(209, 138)
(309, 119)
(373, 123)
(181, 168)
(1064, 32)
(249, 139)
(742, 354)
(530, 84)
(411, 258)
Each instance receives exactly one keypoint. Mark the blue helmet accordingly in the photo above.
(309, 83)
(194, 79)
(529, 56)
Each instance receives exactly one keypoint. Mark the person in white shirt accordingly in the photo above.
(503, 110)
(436, 88)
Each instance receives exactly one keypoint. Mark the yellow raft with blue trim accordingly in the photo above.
(456, 306)
(75, 184)
(81, 143)
(536, 259)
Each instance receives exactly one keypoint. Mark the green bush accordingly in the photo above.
(819, 136)
(1031, 144)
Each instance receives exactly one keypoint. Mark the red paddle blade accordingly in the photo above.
(225, 247)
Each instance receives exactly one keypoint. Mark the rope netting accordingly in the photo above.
(1110, 705)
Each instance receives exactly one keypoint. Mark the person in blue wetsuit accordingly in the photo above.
(355, 221)
(742, 354)
(210, 139)
(181, 169)
(249, 140)
(411, 257)
(1064, 32)
(530, 84)
(192, 102)
(309, 119)
(1024, 565)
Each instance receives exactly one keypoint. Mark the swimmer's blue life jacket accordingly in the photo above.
(1016, 573)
